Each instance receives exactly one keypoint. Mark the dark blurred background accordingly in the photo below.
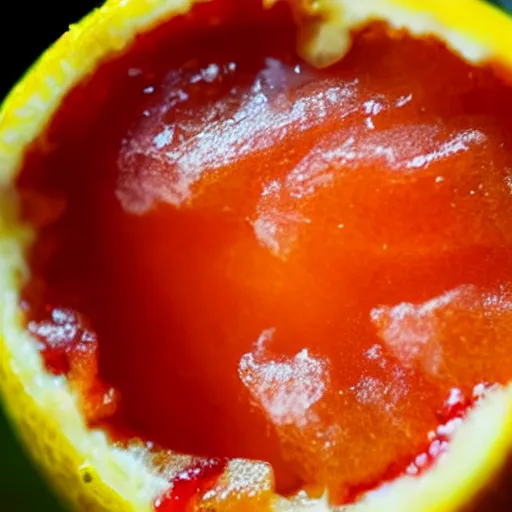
(27, 30)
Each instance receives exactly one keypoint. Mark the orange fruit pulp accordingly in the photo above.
(242, 256)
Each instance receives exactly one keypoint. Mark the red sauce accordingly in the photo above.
(280, 263)
(190, 484)
(69, 347)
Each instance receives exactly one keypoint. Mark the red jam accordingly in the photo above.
(190, 484)
(306, 267)
(70, 347)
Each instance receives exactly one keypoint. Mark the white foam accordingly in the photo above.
(460, 142)
(286, 388)
(219, 133)
(409, 329)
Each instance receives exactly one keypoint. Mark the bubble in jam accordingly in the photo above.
(310, 268)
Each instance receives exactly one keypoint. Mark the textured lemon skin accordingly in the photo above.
(81, 464)
(78, 463)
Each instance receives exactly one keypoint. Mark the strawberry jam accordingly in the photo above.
(69, 347)
(306, 267)
(190, 484)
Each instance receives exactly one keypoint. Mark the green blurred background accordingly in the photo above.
(30, 28)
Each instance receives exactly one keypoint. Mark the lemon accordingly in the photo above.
(83, 465)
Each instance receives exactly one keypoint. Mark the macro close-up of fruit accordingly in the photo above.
(256, 255)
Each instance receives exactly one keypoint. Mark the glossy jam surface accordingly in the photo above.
(309, 268)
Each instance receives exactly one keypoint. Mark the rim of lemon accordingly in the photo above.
(91, 472)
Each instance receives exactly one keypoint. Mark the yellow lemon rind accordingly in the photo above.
(95, 475)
